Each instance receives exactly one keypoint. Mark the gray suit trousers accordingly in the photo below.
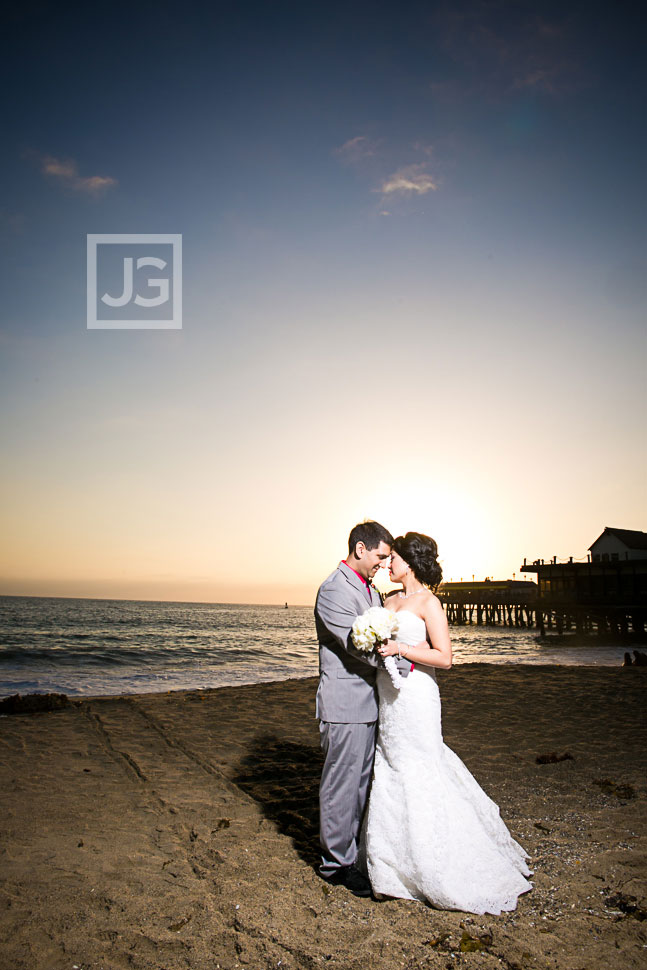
(349, 751)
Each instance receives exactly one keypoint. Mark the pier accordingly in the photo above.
(606, 596)
(504, 602)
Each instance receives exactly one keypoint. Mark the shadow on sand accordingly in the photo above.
(283, 777)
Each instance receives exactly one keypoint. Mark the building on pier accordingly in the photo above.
(619, 545)
(605, 594)
(489, 589)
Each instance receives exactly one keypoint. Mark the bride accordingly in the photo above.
(430, 831)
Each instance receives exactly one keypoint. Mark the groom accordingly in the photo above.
(347, 703)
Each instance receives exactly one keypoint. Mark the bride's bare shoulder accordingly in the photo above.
(432, 603)
(392, 596)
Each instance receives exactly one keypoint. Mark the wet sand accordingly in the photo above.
(179, 830)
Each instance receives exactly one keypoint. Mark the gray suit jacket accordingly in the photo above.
(346, 692)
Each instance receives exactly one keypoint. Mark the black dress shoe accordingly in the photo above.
(352, 879)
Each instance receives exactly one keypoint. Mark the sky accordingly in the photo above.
(413, 289)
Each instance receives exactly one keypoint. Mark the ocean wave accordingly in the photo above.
(110, 647)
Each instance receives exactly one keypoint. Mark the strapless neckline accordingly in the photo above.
(410, 612)
(409, 632)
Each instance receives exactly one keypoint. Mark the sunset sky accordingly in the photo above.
(413, 290)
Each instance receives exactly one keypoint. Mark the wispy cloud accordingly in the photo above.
(505, 46)
(424, 148)
(385, 169)
(412, 179)
(539, 79)
(357, 149)
(66, 172)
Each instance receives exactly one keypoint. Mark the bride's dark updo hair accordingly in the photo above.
(421, 554)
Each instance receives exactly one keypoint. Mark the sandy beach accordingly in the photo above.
(179, 830)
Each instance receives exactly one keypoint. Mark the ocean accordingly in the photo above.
(90, 647)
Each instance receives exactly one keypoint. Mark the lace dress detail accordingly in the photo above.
(430, 832)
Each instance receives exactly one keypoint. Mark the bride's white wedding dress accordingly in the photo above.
(430, 831)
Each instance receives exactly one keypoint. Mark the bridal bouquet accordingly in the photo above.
(371, 628)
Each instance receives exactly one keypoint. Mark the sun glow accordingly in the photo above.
(464, 535)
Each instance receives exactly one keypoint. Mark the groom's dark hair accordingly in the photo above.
(370, 533)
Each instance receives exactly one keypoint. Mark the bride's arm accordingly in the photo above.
(439, 654)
